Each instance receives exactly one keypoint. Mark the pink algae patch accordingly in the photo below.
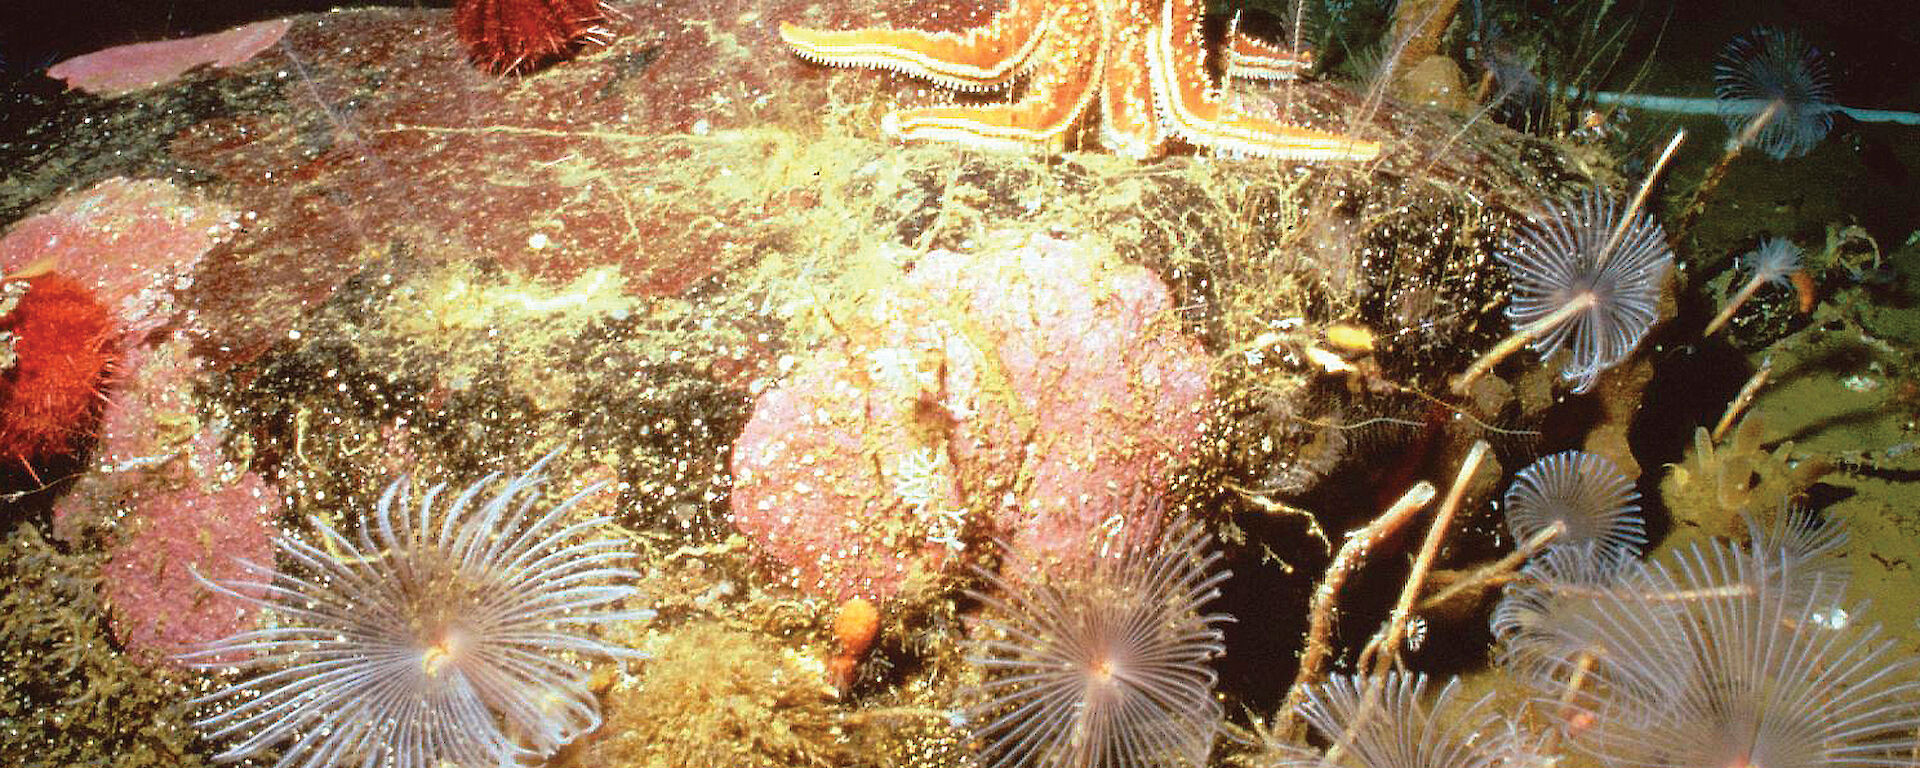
(1110, 395)
(825, 472)
(151, 418)
(134, 242)
(162, 459)
(1041, 395)
(124, 69)
(159, 608)
(150, 433)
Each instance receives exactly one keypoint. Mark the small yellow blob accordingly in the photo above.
(36, 268)
(1328, 361)
(442, 653)
(1350, 338)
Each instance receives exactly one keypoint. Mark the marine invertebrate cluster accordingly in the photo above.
(1104, 671)
(437, 632)
(1583, 492)
(516, 36)
(57, 346)
(1712, 661)
(1586, 280)
(87, 280)
(1775, 73)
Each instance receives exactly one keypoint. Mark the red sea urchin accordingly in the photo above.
(518, 36)
(56, 347)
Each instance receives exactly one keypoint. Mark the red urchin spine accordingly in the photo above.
(63, 346)
(518, 36)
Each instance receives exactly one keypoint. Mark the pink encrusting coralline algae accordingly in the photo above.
(1030, 394)
(150, 431)
(160, 458)
(151, 418)
(133, 242)
(127, 68)
(158, 607)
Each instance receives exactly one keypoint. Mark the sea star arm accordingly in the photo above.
(979, 58)
(1055, 98)
(1250, 58)
(1189, 107)
(1128, 124)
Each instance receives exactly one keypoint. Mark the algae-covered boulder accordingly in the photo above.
(431, 270)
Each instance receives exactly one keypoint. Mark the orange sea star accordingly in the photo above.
(1144, 64)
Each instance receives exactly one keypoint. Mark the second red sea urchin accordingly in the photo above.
(56, 346)
(516, 36)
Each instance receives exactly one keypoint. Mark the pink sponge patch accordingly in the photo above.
(134, 243)
(159, 608)
(1109, 394)
(127, 68)
(843, 473)
(1027, 393)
